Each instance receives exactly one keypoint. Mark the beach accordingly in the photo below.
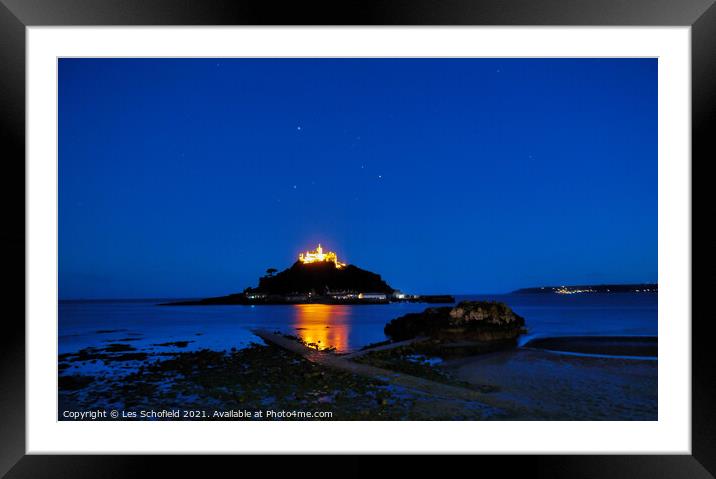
(581, 359)
(527, 385)
(553, 386)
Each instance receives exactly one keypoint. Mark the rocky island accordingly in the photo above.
(319, 277)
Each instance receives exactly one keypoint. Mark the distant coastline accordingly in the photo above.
(591, 288)
(241, 298)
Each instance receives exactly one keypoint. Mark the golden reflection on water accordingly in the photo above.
(323, 325)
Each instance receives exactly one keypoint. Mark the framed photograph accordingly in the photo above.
(434, 229)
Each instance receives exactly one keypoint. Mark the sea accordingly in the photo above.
(146, 325)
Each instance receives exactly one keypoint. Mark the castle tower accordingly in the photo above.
(317, 255)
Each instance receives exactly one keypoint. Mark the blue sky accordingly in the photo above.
(190, 177)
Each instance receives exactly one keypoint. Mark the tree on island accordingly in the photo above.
(270, 272)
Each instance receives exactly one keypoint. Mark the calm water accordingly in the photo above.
(143, 324)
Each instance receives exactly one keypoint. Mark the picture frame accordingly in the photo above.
(16, 16)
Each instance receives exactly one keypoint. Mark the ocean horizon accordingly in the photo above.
(344, 327)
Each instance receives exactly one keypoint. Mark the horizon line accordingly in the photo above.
(162, 298)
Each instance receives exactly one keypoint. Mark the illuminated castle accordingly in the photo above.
(318, 256)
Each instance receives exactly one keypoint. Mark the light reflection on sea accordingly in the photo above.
(323, 325)
(147, 326)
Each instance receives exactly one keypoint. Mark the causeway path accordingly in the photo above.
(383, 347)
(433, 388)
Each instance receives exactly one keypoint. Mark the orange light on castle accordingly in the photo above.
(318, 256)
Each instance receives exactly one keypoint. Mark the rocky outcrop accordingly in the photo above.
(468, 313)
(477, 321)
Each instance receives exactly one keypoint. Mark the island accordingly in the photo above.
(318, 277)
(588, 288)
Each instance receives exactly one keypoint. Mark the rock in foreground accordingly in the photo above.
(477, 321)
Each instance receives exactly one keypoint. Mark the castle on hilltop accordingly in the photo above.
(318, 256)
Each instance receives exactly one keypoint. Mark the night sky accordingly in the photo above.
(188, 178)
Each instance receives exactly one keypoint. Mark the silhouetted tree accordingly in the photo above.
(271, 271)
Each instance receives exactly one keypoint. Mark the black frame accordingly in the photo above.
(16, 15)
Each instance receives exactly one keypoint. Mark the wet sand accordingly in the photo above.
(646, 346)
(537, 384)
(553, 386)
